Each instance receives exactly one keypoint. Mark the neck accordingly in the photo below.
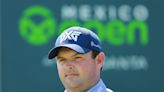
(76, 90)
(84, 89)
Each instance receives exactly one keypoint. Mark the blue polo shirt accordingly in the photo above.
(99, 87)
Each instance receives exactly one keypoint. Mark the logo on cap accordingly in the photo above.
(95, 45)
(71, 35)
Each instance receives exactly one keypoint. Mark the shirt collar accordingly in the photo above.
(99, 87)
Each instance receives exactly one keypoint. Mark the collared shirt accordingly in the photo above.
(99, 87)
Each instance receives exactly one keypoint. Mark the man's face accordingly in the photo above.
(77, 70)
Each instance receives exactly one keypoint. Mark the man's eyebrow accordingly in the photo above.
(58, 57)
(77, 54)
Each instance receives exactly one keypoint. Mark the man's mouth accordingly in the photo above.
(71, 75)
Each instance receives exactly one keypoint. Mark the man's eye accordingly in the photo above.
(78, 58)
(61, 60)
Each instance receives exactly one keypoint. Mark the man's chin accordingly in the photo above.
(70, 82)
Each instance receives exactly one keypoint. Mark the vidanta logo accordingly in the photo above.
(122, 29)
(37, 32)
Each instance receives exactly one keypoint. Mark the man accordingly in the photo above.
(80, 59)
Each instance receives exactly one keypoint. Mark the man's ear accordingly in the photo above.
(100, 59)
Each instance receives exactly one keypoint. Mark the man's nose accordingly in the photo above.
(69, 64)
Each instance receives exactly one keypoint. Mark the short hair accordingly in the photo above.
(94, 55)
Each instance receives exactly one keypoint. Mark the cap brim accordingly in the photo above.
(53, 52)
